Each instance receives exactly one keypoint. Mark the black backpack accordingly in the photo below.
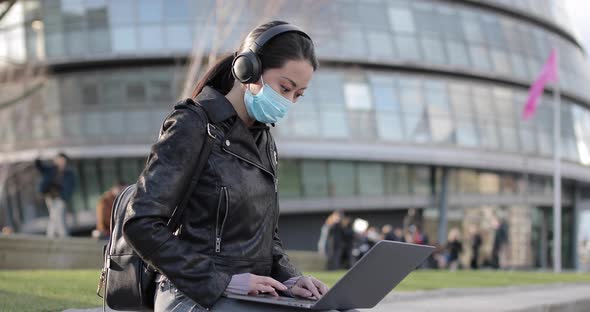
(128, 282)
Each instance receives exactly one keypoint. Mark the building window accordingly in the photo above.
(387, 108)
(289, 178)
(407, 47)
(124, 39)
(151, 38)
(91, 182)
(458, 55)
(342, 178)
(414, 112)
(437, 101)
(122, 12)
(434, 51)
(380, 44)
(150, 11)
(315, 178)
(419, 180)
(359, 103)
(136, 92)
(396, 179)
(370, 178)
(401, 20)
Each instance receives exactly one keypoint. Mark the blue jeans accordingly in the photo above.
(168, 298)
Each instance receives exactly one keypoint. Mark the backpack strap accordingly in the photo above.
(174, 221)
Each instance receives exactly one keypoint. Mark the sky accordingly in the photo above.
(579, 13)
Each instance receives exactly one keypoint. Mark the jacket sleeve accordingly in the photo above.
(282, 268)
(41, 166)
(69, 185)
(161, 185)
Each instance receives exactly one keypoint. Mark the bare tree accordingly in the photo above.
(226, 15)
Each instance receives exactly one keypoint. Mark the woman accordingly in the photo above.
(228, 239)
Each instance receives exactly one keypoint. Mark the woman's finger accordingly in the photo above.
(320, 285)
(300, 291)
(307, 283)
(269, 281)
(266, 289)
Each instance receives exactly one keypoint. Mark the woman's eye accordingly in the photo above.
(285, 89)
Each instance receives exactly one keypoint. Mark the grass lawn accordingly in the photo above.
(58, 290)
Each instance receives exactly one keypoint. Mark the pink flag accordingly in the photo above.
(548, 74)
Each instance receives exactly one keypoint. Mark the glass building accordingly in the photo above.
(416, 104)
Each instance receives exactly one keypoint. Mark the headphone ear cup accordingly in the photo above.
(246, 67)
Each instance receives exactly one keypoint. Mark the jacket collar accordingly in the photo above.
(216, 105)
(239, 137)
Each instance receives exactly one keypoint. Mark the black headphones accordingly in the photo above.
(246, 66)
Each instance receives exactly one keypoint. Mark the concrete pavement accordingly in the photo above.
(554, 298)
(538, 298)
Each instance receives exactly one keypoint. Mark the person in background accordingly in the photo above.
(56, 186)
(335, 242)
(387, 231)
(413, 217)
(454, 248)
(7, 230)
(409, 237)
(475, 246)
(348, 242)
(417, 236)
(500, 239)
(104, 208)
(399, 235)
(323, 240)
(373, 236)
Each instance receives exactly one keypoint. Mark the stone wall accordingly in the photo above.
(38, 252)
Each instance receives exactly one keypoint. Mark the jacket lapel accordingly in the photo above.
(238, 140)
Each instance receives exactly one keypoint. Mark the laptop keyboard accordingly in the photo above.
(288, 299)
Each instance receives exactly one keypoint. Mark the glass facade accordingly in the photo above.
(401, 73)
(453, 36)
(551, 10)
(128, 106)
(299, 179)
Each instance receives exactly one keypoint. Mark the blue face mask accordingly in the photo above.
(267, 106)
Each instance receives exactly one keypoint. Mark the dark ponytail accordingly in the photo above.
(219, 77)
(277, 51)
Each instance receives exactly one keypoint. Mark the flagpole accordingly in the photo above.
(557, 173)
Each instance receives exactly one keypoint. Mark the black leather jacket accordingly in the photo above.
(230, 224)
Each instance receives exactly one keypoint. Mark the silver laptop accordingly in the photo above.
(365, 284)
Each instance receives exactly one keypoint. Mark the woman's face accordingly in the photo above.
(290, 81)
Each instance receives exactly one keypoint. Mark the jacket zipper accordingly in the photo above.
(270, 159)
(219, 231)
(255, 165)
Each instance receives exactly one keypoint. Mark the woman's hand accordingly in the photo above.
(253, 285)
(309, 287)
(264, 284)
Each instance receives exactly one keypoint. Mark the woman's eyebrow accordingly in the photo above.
(290, 80)
(293, 82)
